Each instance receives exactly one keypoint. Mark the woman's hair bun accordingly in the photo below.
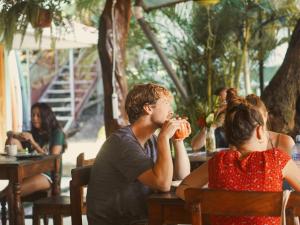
(231, 95)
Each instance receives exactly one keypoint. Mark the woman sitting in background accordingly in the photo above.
(198, 141)
(45, 137)
(248, 166)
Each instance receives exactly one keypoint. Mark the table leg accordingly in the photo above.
(155, 214)
(15, 208)
(56, 176)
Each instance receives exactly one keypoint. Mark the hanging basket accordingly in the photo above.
(41, 18)
(207, 2)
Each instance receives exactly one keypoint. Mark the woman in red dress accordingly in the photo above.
(249, 165)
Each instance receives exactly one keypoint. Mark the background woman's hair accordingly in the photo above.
(241, 119)
(49, 122)
(142, 94)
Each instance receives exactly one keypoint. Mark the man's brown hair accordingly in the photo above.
(142, 94)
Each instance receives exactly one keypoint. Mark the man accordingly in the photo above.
(133, 162)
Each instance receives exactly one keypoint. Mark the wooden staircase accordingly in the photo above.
(67, 96)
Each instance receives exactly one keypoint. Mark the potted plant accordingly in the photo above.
(15, 17)
(207, 119)
(39, 17)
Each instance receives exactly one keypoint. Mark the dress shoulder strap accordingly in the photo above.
(277, 141)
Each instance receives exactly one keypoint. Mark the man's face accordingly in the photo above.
(36, 118)
(162, 111)
(223, 95)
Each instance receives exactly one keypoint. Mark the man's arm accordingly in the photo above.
(160, 176)
(182, 165)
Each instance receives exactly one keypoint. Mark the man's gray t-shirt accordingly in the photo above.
(114, 194)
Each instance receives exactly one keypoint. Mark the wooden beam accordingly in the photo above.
(163, 58)
(2, 100)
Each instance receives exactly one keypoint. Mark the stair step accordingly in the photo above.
(64, 74)
(91, 66)
(61, 109)
(83, 82)
(61, 82)
(63, 118)
(51, 100)
(58, 91)
(78, 99)
(80, 90)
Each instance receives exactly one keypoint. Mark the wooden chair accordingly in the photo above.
(239, 203)
(80, 178)
(56, 206)
(29, 198)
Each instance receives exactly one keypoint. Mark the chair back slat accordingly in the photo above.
(81, 161)
(80, 178)
(236, 203)
(81, 175)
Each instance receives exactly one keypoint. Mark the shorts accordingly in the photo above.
(48, 177)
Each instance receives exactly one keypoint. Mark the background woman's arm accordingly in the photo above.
(198, 141)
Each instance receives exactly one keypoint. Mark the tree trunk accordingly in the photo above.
(246, 67)
(282, 94)
(105, 48)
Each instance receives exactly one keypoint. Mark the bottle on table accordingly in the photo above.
(296, 151)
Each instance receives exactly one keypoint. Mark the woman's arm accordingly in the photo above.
(198, 141)
(57, 143)
(11, 140)
(292, 174)
(197, 179)
(56, 149)
(26, 136)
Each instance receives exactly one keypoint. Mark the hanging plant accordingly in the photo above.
(40, 17)
(16, 15)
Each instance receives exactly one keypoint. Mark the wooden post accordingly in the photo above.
(2, 100)
(122, 18)
(72, 86)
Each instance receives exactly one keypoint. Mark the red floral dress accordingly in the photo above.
(258, 171)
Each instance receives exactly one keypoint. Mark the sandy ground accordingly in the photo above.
(88, 140)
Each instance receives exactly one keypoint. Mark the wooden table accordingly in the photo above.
(197, 159)
(16, 170)
(167, 208)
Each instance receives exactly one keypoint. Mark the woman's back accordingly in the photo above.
(257, 171)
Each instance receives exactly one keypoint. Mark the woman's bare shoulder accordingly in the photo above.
(285, 142)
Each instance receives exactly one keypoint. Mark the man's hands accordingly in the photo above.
(171, 126)
(183, 132)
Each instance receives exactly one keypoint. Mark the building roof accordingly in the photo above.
(72, 35)
(155, 4)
